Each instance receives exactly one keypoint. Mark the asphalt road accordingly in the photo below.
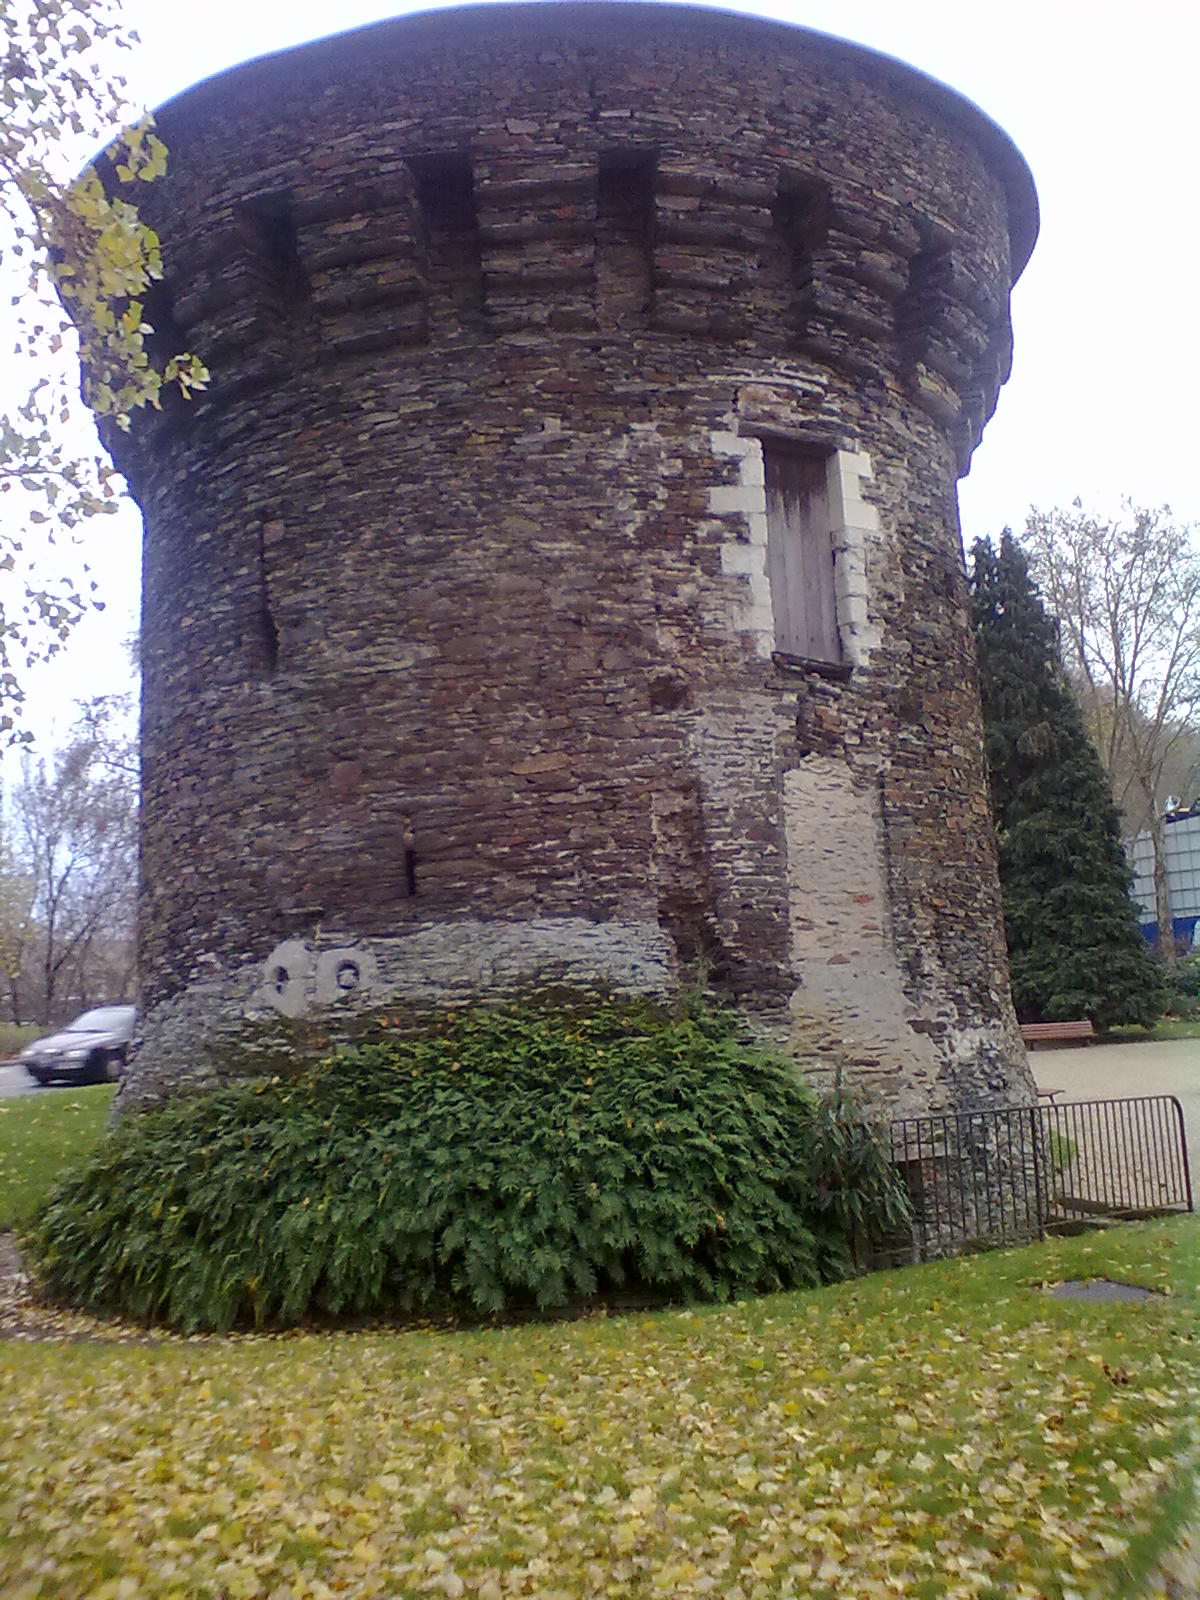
(15, 1080)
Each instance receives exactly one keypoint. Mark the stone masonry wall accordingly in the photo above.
(458, 640)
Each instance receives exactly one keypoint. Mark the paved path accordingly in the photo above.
(1113, 1071)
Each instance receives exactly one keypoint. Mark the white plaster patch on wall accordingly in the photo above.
(442, 960)
(343, 972)
(297, 976)
(286, 979)
(840, 940)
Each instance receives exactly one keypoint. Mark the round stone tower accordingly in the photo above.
(561, 580)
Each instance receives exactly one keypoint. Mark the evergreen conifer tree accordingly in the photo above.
(1075, 949)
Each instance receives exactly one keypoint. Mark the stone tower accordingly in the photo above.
(561, 579)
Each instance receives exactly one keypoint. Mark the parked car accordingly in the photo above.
(89, 1050)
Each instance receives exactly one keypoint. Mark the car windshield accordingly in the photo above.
(105, 1019)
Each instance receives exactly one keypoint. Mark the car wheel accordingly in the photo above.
(112, 1068)
(40, 1078)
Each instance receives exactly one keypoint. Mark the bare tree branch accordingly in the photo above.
(67, 885)
(1126, 592)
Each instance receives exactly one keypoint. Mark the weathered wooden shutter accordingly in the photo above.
(800, 554)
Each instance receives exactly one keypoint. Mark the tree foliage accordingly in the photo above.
(76, 262)
(1126, 592)
(1075, 949)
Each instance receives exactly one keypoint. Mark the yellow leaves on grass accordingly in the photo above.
(814, 1447)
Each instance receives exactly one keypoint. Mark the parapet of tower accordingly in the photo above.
(561, 580)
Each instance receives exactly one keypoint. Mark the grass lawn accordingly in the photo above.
(40, 1136)
(1165, 1028)
(945, 1431)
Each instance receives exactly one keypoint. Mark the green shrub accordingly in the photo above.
(859, 1195)
(497, 1160)
(1184, 979)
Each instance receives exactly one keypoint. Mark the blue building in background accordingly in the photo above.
(1183, 876)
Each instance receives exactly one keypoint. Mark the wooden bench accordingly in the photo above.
(1058, 1032)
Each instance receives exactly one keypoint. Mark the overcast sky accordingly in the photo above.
(1099, 97)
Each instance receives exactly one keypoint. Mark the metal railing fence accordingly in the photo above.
(982, 1178)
